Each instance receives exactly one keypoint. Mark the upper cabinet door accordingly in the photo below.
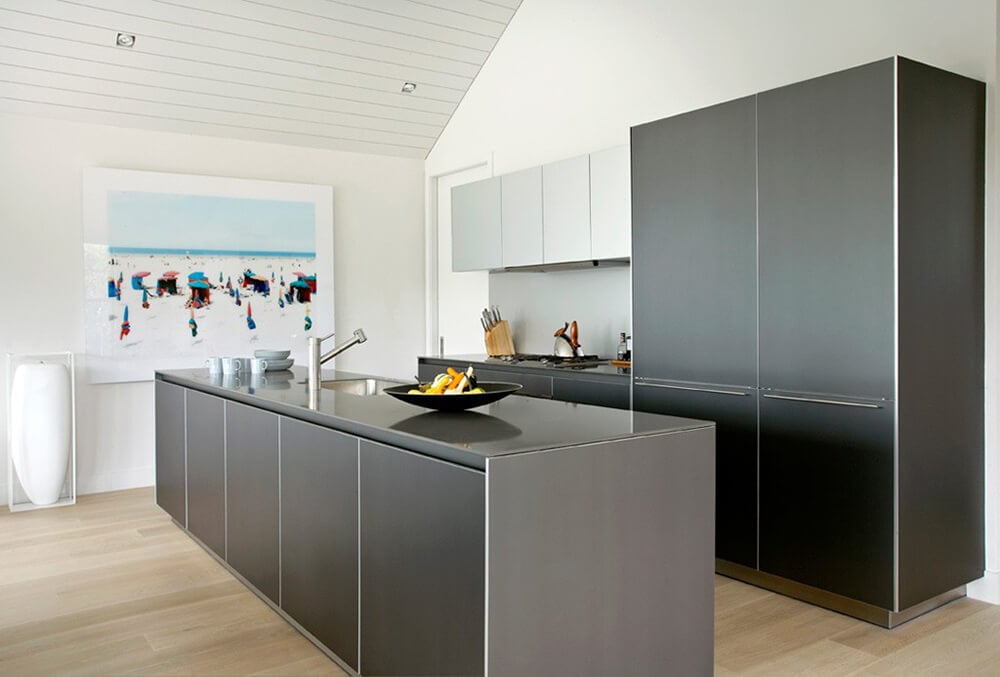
(694, 258)
(610, 206)
(475, 226)
(521, 217)
(826, 166)
(566, 207)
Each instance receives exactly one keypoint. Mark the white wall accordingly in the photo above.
(379, 271)
(571, 76)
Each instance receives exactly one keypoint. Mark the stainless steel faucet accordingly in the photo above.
(316, 360)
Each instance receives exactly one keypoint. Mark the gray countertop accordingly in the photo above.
(602, 372)
(511, 426)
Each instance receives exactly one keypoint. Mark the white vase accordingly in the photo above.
(41, 429)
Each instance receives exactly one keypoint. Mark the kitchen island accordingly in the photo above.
(523, 537)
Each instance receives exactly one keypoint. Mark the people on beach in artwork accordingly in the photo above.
(198, 292)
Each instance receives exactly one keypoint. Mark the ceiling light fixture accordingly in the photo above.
(125, 40)
(408, 87)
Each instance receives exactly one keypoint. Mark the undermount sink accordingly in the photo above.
(360, 386)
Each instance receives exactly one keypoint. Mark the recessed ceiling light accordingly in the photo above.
(408, 87)
(125, 40)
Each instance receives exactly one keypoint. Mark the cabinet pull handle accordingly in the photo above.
(715, 391)
(816, 400)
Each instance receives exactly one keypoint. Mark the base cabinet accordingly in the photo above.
(319, 534)
(252, 496)
(171, 470)
(206, 463)
(826, 496)
(423, 543)
(734, 411)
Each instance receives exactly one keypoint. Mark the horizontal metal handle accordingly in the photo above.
(816, 400)
(715, 391)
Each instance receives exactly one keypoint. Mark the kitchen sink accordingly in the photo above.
(360, 386)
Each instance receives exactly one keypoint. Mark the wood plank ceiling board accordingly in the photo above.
(316, 73)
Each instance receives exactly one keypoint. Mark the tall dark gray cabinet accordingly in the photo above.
(808, 272)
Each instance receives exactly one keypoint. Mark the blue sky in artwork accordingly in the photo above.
(205, 222)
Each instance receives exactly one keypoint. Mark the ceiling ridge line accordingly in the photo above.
(202, 122)
(219, 96)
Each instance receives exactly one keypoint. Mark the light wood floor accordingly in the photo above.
(110, 586)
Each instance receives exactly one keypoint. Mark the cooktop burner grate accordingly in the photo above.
(555, 360)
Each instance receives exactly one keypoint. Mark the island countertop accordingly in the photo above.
(513, 425)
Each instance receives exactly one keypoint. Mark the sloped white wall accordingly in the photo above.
(378, 226)
(571, 76)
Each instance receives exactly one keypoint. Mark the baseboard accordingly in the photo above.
(130, 478)
(986, 589)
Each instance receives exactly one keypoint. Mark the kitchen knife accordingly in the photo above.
(496, 315)
(486, 318)
(483, 323)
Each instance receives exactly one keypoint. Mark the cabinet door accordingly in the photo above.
(319, 534)
(566, 208)
(694, 259)
(826, 234)
(826, 496)
(475, 226)
(615, 395)
(521, 217)
(171, 471)
(206, 470)
(610, 214)
(423, 556)
(735, 414)
(252, 496)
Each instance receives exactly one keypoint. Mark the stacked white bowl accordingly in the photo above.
(277, 360)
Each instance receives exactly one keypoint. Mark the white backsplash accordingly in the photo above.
(536, 304)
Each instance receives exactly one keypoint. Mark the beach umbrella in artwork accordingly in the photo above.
(121, 278)
(145, 299)
(220, 277)
(308, 322)
(250, 323)
(192, 325)
(112, 288)
(238, 302)
(126, 326)
(118, 290)
(139, 279)
(229, 283)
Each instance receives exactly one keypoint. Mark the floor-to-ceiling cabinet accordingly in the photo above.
(808, 272)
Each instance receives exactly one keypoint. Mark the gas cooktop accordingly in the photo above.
(556, 361)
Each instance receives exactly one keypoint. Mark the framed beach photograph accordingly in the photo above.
(182, 267)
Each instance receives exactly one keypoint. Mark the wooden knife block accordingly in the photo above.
(498, 340)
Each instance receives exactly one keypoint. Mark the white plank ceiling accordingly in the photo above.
(318, 73)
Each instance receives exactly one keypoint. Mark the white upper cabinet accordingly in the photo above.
(475, 226)
(521, 217)
(610, 204)
(566, 210)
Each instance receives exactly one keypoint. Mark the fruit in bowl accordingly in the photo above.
(451, 383)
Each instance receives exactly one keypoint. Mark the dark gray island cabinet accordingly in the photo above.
(524, 537)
